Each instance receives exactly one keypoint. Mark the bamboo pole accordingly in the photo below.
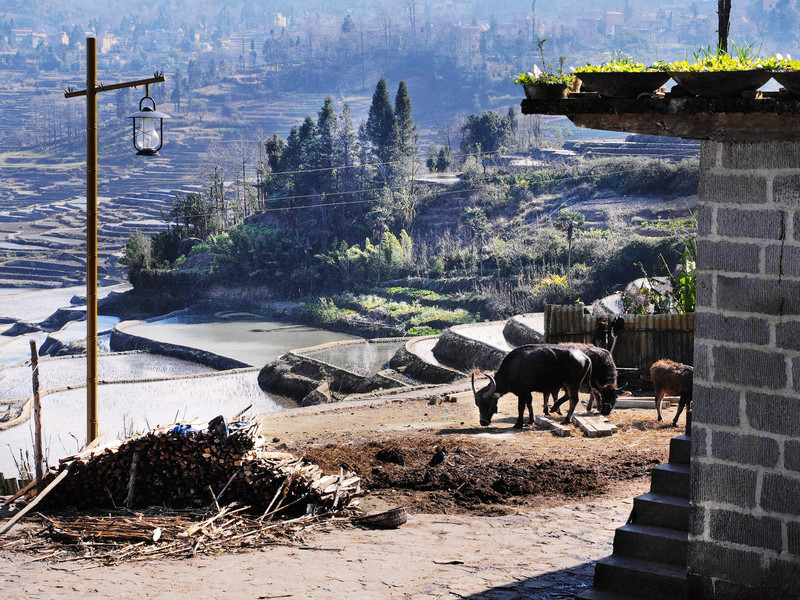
(37, 417)
(548, 315)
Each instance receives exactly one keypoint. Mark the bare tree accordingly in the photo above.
(411, 5)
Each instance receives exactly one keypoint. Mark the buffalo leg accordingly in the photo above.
(659, 398)
(530, 409)
(594, 400)
(557, 404)
(573, 403)
(685, 400)
(523, 401)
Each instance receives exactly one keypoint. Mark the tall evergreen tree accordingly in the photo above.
(380, 130)
(325, 147)
(305, 182)
(291, 156)
(513, 125)
(347, 150)
(406, 135)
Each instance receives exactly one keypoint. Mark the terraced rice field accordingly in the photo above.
(42, 201)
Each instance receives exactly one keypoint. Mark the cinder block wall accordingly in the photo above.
(745, 528)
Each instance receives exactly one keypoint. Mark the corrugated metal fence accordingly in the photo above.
(644, 339)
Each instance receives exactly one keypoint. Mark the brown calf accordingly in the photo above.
(674, 379)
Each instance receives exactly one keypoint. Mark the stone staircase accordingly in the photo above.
(650, 551)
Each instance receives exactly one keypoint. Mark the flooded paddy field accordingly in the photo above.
(126, 408)
(250, 340)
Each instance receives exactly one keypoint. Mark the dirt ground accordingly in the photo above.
(494, 512)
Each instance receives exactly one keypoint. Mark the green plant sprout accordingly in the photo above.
(622, 62)
(738, 58)
(548, 75)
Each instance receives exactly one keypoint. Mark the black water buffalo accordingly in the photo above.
(534, 368)
(603, 390)
(674, 379)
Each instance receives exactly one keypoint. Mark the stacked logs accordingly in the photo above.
(182, 466)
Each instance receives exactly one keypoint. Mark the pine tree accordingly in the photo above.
(380, 130)
(325, 147)
(406, 135)
(347, 150)
(305, 182)
(513, 126)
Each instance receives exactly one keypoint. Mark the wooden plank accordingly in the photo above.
(642, 402)
(548, 313)
(603, 426)
(582, 423)
(558, 429)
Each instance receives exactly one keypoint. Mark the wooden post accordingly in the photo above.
(724, 14)
(91, 91)
(132, 480)
(37, 417)
(91, 239)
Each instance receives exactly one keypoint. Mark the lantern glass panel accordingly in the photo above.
(147, 136)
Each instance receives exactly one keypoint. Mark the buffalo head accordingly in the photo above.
(486, 399)
(608, 396)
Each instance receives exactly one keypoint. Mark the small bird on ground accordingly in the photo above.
(438, 456)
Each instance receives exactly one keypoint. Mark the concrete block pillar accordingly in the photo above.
(744, 537)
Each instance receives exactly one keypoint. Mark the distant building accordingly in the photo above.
(470, 37)
(279, 20)
(589, 24)
(769, 5)
(106, 42)
(20, 35)
(613, 22)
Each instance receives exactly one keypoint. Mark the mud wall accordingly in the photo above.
(519, 334)
(298, 373)
(410, 363)
(462, 352)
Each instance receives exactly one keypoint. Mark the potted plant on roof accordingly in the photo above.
(543, 85)
(622, 77)
(715, 73)
(785, 71)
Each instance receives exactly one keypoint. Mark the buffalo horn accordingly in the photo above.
(474, 391)
(493, 384)
(621, 389)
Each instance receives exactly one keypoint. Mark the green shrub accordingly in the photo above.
(423, 330)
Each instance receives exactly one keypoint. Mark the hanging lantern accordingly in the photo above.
(148, 127)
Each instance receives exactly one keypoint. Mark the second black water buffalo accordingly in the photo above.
(534, 368)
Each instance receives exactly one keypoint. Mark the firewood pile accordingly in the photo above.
(184, 466)
(153, 533)
(179, 491)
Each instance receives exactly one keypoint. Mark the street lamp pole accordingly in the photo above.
(91, 91)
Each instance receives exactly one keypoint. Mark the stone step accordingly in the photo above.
(671, 479)
(646, 542)
(640, 578)
(595, 594)
(680, 449)
(661, 510)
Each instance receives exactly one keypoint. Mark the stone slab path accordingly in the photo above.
(543, 554)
